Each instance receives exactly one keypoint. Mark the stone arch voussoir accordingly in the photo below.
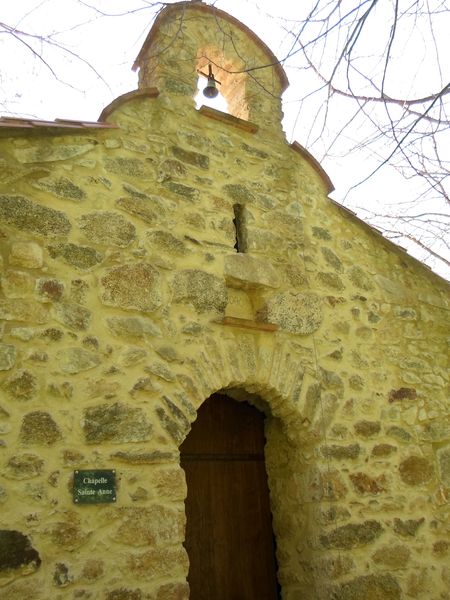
(274, 372)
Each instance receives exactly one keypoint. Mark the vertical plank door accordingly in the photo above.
(229, 536)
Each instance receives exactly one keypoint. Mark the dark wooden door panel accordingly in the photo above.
(225, 426)
(229, 536)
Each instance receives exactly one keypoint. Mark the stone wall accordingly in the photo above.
(124, 305)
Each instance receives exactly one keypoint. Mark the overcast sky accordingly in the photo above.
(79, 85)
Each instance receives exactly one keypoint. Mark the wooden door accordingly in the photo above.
(229, 536)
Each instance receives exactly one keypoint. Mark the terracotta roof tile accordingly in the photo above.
(315, 165)
(62, 124)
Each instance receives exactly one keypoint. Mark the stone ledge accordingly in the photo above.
(247, 324)
(117, 102)
(314, 164)
(218, 115)
(243, 271)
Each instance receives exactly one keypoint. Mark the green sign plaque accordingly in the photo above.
(94, 487)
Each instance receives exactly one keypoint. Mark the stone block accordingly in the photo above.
(392, 287)
(132, 287)
(351, 451)
(367, 428)
(402, 393)
(294, 312)
(191, 158)
(173, 420)
(399, 433)
(356, 382)
(124, 593)
(107, 227)
(96, 388)
(22, 385)
(171, 168)
(266, 241)
(365, 484)
(127, 167)
(321, 233)
(443, 456)
(150, 526)
(27, 588)
(144, 385)
(67, 534)
(441, 547)
(239, 193)
(394, 556)
(8, 355)
(352, 535)
(80, 257)
(173, 591)
(334, 567)
(360, 278)
(206, 292)
(62, 187)
(332, 259)
(116, 423)
(295, 275)
(163, 241)
(61, 575)
(144, 458)
(75, 360)
(178, 88)
(170, 483)
(416, 470)
(331, 280)
(73, 316)
(405, 312)
(39, 429)
(49, 290)
(328, 485)
(407, 527)
(50, 151)
(26, 215)
(16, 551)
(383, 450)
(93, 569)
(24, 466)
(51, 334)
(243, 271)
(157, 562)
(133, 327)
(369, 587)
(255, 151)
(131, 355)
(28, 255)
(17, 284)
(160, 370)
(185, 191)
(149, 209)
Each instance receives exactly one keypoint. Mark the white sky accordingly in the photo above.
(110, 45)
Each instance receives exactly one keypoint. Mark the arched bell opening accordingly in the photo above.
(219, 102)
(232, 82)
(233, 520)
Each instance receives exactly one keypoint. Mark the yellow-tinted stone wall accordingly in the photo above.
(125, 304)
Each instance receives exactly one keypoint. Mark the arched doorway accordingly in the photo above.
(229, 536)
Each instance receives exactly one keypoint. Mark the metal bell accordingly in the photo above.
(210, 90)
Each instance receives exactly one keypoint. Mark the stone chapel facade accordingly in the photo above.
(165, 254)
